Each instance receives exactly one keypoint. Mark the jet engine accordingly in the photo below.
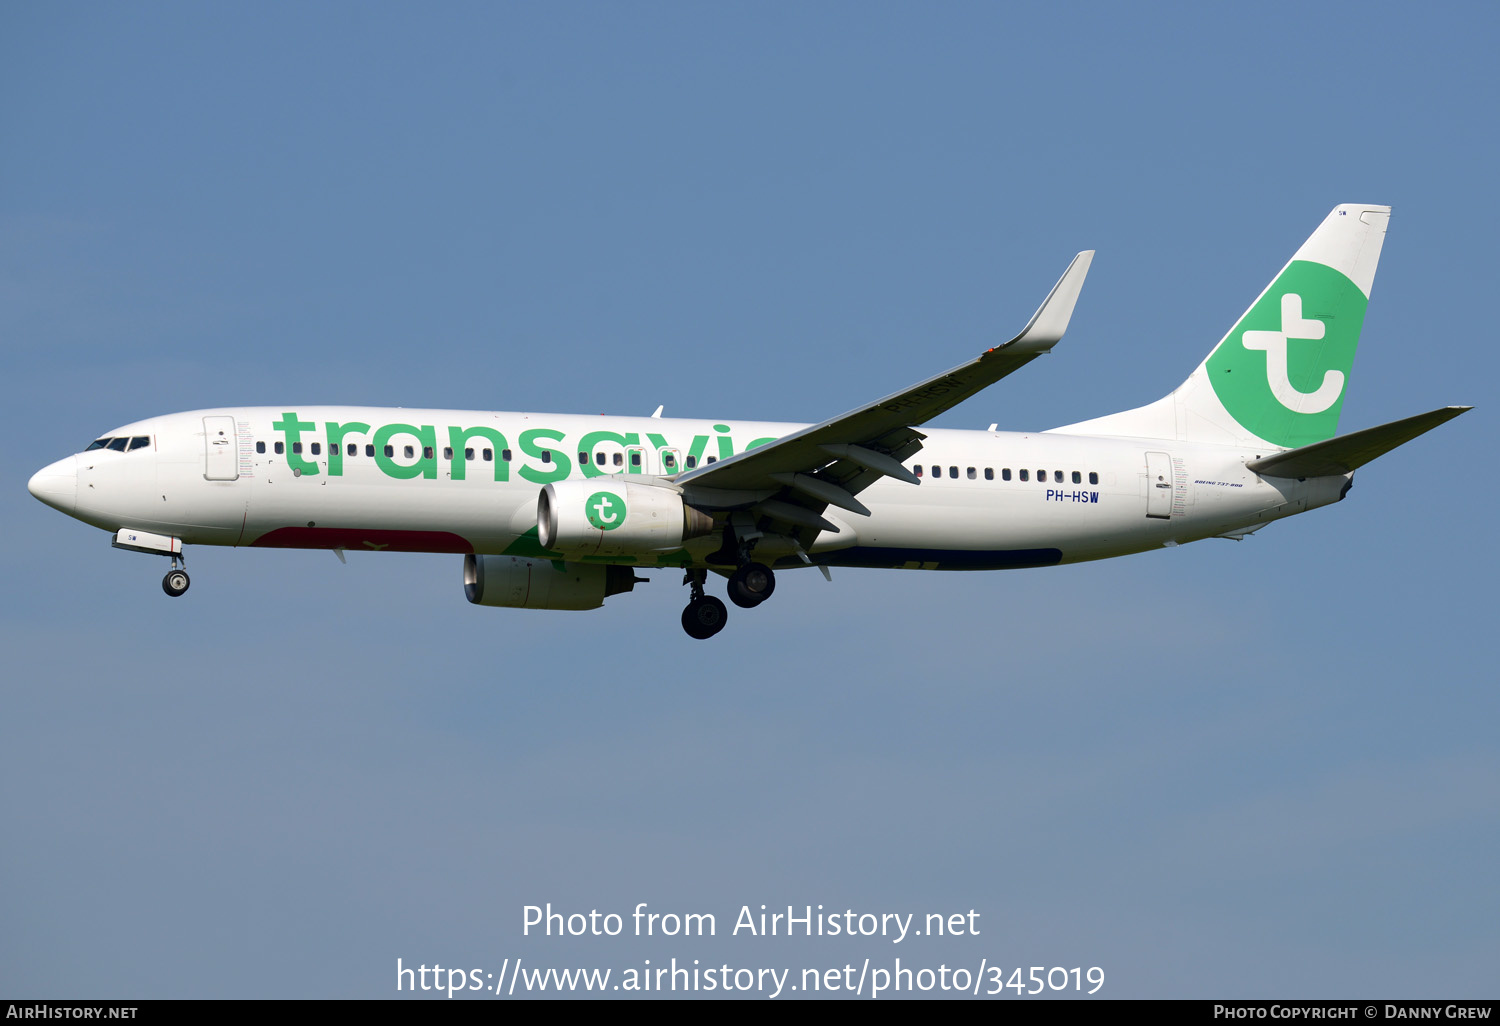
(522, 583)
(609, 517)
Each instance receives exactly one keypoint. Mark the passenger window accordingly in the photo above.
(600, 458)
(352, 450)
(937, 471)
(260, 447)
(297, 447)
(953, 472)
(1005, 474)
(668, 460)
(713, 459)
(489, 455)
(635, 459)
(918, 469)
(370, 450)
(140, 442)
(317, 448)
(469, 453)
(546, 455)
(280, 448)
(620, 459)
(504, 454)
(409, 451)
(427, 452)
(583, 458)
(989, 473)
(692, 461)
(98, 443)
(117, 444)
(973, 474)
(1077, 477)
(1093, 477)
(1057, 476)
(390, 451)
(1025, 474)
(1041, 477)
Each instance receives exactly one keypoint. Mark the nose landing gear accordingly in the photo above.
(176, 582)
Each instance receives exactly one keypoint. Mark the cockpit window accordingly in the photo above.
(121, 444)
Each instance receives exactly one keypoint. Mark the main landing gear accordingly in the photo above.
(705, 615)
(176, 582)
(751, 585)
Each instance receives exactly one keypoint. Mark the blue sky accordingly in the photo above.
(1257, 769)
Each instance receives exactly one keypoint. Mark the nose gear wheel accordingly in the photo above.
(175, 583)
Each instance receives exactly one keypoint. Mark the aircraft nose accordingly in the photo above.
(57, 484)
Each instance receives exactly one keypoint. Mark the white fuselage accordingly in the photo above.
(468, 481)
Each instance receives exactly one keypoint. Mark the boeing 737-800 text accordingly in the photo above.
(559, 511)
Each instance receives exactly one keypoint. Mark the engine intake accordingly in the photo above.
(522, 583)
(615, 518)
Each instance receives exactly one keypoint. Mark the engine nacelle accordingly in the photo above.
(522, 583)
(610, 517)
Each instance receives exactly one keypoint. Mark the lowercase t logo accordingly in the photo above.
(605, 510)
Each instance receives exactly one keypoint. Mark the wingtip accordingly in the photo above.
(1050, 321)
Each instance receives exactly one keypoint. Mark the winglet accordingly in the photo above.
(1050, 321)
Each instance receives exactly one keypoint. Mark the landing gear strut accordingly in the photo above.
(705, 615)
(176, 582)
(751, 585)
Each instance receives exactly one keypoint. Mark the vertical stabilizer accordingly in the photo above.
(1280, 376)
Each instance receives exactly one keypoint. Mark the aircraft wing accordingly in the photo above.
(831, 462)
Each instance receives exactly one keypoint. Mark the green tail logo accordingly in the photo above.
(1282, 370)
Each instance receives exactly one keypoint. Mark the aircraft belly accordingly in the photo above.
(1016, 528)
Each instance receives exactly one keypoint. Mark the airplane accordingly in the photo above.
(556, 511)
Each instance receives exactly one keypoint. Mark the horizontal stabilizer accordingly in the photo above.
(1344, 454)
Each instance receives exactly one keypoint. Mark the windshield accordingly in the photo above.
(124, 443)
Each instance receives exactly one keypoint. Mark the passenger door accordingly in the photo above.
(221, 449)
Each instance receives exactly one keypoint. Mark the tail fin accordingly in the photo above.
(1279, 377)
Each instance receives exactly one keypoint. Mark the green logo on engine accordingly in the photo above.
(1283, 370)
(605, 510)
